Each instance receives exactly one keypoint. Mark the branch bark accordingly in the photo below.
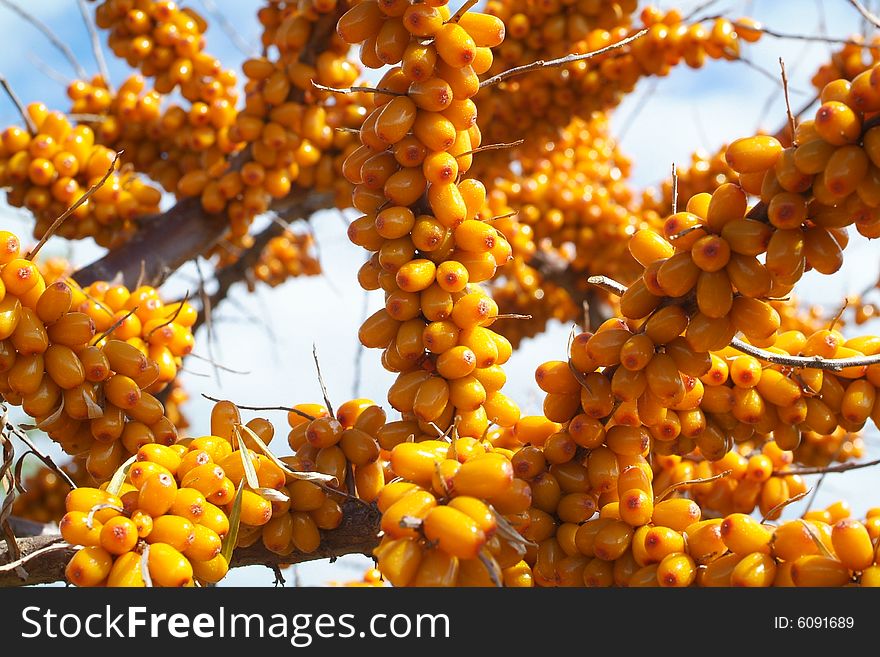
(358, 534)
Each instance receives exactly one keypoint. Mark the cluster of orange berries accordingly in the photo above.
(297, 134)
(287, 256)
(50, 170)
(429, 248)
(89, 395)
(543, 101)
(43, 499)
(167, 503)
(165, 42)
(445, 522)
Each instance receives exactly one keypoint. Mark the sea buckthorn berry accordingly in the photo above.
(454, 531)
(483, 476)
(837, 124)
(753, 154)
(157, 494)
(168, 567)
(743, 534)
(175, 531)
(676, 570)
(76, 531)
(852, 544)
(90, 566)
(754, 570)
(815, 570)
(676, 513)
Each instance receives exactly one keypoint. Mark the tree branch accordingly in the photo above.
(358, 534)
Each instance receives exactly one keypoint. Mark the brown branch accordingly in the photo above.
(843, 467)
(358, 534)
(561, 61)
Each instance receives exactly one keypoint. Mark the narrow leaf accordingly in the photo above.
(118, 479)
(234, 521)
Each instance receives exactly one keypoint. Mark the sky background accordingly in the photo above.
(270, 334)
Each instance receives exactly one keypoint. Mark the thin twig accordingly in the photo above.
(462, 10)
(359, 354)
(69, 211)
(47, 70)
(229, 29)
(215, 364)
(47, 460)
(28, 121)
(674, 189)
(321, 380)
(115, 325)
(353, 90)
(791, 500)
(265, 408)
(49, 34)
(172, 317)
(207, 313)
(690, 482)
(867, 15)
(791, 122)
(492, 147)
(96, 43)
(842, 467)
(562, 61)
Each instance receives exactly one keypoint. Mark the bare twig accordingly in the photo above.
(69, 211)
(49, 34)
(791, 500)
(359, 354)
(28, 121)
(562, 61)
(690, 482)
(867, 15)
(353, 90)
(215, 364)
(791, 122)
(842, 467)
(47, 70)
(492, 147)
(115, 325)
(674, 189)
(265, 408)
(95, 42)
(229, 29)
(327, 403)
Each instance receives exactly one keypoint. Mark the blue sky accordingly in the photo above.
(686, 111)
